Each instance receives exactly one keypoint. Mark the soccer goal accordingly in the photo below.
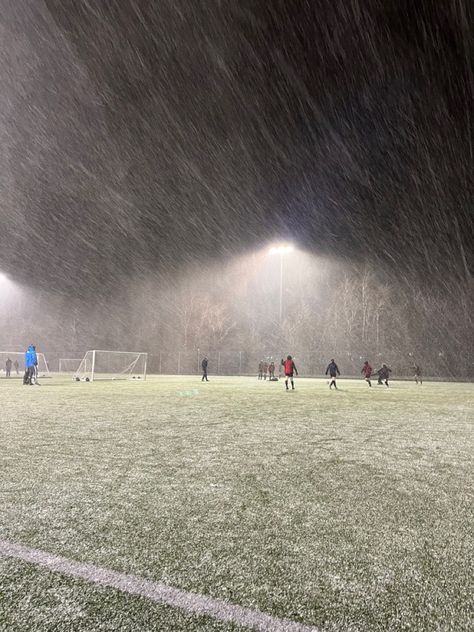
(111, 365)
(17, 367)
(69, 365)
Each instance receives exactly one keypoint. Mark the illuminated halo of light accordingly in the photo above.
(281, 249)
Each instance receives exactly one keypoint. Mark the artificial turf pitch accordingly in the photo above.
(348, 511)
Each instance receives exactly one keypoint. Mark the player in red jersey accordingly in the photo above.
(289, 368)
(367, 372)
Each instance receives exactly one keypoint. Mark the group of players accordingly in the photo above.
(8, 367)
(264, 369)
(383, 374)
(30, 376)
(332, 370)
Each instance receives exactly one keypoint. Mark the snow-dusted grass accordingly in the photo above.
(349, 510)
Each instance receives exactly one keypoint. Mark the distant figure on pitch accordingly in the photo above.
(265, 370)
(8, 367)
(367, 372)
(204, 364)
(289, 368)
(384, 374)
(17, 367)
(36, 366)
(333, 371)
(271, 371)
(260, 370)
(418, 375)
(31, 363)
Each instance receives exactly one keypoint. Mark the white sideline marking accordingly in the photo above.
(156, 591)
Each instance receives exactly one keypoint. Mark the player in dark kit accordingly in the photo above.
(271, 370)
(8, 367)
(265, 370)
(418, 374)
(367, 372)
(289, 367)
(333, 371)
(384, 374)
(260, 370)
(204, 364)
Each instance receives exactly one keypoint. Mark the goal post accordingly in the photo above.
(17, 367)
(69, 365)
(111, 365)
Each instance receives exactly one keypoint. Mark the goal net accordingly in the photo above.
(111, 365)
(17, 367)
(69, 365)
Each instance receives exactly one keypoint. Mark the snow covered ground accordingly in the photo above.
(348, 510)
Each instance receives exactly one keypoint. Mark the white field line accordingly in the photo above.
(156, 591)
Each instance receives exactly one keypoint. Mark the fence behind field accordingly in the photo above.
(310, 363)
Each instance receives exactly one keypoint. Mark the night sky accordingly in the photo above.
(141, 135)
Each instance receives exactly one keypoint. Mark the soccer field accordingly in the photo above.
(346, 511)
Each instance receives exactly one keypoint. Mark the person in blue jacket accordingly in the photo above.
(31, 362)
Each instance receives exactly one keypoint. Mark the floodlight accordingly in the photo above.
(281, 249)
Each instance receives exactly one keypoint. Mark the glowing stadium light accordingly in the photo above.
(5, 284)
(8, 289)
(282, 249)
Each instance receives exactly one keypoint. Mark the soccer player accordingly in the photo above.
(333, 371)
(367, 372)
(418, 374)
(271, 371)
(31, 363)
(384, 374)
(17, 367)
(8, 367)
(265, 370)
(289, 368)
(35, 369)
(260, 370)
(204, 364)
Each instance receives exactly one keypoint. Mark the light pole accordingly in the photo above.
(281, 250)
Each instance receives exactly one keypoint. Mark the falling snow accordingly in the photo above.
(150, 151)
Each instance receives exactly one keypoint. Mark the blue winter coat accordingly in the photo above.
(30, 357)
